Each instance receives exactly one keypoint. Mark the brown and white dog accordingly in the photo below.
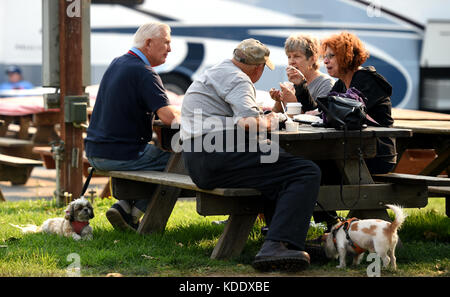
(75, 223)
(357, 236)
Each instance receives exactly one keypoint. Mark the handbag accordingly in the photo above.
(343, 113)
(346, 111)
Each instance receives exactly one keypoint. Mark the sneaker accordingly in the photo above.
(136, 215)
(120, 219)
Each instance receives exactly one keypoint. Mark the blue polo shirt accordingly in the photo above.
(129, 95)
(20, 85)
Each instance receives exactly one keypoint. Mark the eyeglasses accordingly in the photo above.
(328, 56)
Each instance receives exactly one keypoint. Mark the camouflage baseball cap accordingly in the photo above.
(253, 52)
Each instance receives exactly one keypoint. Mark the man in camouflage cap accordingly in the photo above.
(216, 106)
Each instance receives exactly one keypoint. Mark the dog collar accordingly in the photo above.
(78, 226)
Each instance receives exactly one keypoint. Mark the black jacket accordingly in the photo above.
(378, 94)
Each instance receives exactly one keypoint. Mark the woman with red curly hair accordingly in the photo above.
(344, 54)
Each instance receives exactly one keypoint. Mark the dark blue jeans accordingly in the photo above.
(291, 184)
(152, 158)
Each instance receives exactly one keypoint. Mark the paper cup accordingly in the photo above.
(291, 126)
(293, 108)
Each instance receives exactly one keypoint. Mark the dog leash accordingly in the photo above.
(88, 180)
(336, 217)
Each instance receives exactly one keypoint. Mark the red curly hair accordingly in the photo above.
(349, 50)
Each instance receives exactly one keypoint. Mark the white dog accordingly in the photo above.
(75, 223)
(357, 236)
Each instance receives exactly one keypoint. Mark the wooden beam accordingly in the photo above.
(70, 29)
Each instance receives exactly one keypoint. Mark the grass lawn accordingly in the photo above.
(185, 247)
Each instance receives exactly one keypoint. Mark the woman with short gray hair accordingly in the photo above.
(303, 71)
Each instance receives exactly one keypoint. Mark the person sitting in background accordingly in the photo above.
(15, 80)
(303, 71)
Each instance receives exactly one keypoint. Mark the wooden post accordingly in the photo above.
(70, 30)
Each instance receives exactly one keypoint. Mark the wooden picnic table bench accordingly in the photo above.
(431, 131)
(15, 169)
(436, 186)
(360, 193)
(16, 147)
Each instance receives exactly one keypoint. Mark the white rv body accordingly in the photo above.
(205, 31)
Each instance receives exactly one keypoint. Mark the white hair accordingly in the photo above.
(149, 30)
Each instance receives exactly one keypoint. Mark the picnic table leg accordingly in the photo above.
(106, 192)
(439, 164)
(447, 205)
(25, 123)
(4, 127)
(45, 127)
(163, 201)
(2, 198)
(234, 236)
(351, 172)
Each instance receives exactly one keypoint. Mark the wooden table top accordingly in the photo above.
(306, 132)
(408, 114)
(425, 127)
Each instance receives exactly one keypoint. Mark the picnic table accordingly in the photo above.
(361, 193)
(29, 111)
(431, 130)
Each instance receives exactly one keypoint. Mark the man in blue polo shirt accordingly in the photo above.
(15, 80)
(130, 94)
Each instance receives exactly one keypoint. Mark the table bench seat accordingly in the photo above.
(437, 186)
(16, 169)
(16, 147)
(360, 193)
(412, 179)
(243, 204)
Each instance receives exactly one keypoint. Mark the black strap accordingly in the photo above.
(347, 225)
(88, 180)
(336, 217)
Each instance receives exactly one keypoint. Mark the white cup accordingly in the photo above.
(291, 126)
(293, 108)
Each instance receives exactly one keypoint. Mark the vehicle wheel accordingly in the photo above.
(175, 83)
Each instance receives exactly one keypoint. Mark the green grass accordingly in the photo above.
(185, 247)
